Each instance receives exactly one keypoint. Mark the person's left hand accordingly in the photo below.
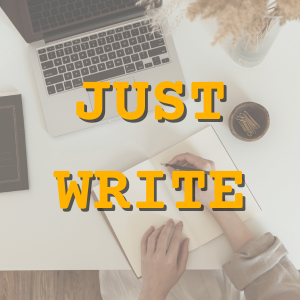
(162, 266)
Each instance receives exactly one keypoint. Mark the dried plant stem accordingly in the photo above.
(236, 18)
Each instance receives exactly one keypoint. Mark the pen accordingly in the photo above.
(176, 167)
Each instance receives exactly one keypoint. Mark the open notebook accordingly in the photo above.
(200, 227)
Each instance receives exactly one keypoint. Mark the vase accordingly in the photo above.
(247, 55)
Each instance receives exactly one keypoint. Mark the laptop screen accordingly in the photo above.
(42, 18)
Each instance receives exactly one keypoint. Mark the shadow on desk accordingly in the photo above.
(49, 285)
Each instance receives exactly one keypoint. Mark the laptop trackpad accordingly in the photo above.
(111, 98)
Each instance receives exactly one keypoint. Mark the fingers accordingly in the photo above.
(180, 163)
(145, 240)
(195, 161)
(164, 237)
(175, 241)
(151, 244)
(183, 256)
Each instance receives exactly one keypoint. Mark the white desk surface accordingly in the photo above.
(36, 234)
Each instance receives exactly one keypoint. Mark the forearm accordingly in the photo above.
(233, 227)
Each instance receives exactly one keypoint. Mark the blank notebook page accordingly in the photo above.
(130, 226)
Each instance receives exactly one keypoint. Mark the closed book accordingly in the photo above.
(13, 159)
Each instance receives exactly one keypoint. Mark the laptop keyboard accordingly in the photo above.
(101, 56)
(48, 14)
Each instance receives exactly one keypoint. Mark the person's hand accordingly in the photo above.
(197, 162)
(162, 266)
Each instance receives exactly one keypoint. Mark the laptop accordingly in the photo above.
(76, 41)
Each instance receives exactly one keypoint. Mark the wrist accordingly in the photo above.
(151, 294)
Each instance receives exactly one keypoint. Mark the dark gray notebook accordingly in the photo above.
(13, 160)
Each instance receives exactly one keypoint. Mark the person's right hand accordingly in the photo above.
(197, 162)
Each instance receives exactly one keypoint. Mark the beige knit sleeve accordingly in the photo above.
(262, 269)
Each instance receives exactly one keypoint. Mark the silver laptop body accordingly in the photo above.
(61, 65)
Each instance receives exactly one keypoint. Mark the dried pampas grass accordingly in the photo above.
(236, 18)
